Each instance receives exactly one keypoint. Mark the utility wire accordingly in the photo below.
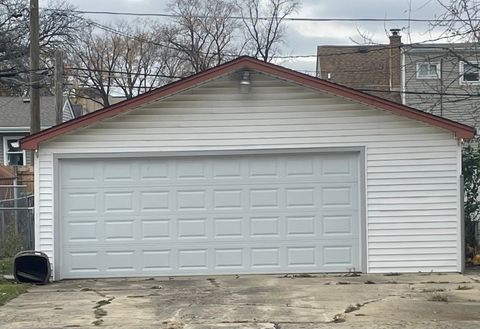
(371, 48)
(124, 72)
(265, 18)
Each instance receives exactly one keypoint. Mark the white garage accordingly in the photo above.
(289, 174)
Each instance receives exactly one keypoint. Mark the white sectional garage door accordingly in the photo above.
(277, 213)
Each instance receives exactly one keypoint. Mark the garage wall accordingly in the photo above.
(412, 168)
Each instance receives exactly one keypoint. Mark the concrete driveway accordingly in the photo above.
(252, 302)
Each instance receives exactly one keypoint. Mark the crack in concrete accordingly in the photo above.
(98, 311)
(174, 321)
(341, 317)
(473, 279)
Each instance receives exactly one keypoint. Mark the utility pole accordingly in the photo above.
(34, 65)
(58, 86)
(441, 87)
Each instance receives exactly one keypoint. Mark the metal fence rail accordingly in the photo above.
(16, 219)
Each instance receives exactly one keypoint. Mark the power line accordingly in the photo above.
(419, 92)
(372, 48)
(123, 72)
(292, 19)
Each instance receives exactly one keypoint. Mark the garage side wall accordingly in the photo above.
(412, 169)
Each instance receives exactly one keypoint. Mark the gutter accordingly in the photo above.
(19, 129)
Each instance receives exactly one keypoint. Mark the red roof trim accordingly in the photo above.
(32, 142)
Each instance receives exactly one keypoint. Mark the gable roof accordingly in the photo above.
(15, 112)
(32, 142)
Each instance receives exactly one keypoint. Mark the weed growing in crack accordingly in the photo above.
(97, 322)
(436, 297)
(464, 287)
(352, 308)
(103, 302)
(99, 313)
(340, 317)
(433, 290)
(392, 274)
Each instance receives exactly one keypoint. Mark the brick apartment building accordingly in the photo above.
(442, 79)
(371, 68)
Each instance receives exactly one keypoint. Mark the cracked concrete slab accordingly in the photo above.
(435, 301)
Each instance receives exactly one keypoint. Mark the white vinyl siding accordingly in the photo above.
(412, 175)
(67, 112)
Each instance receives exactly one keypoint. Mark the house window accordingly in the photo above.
(428, 70)
(469, 73)
(13, 155)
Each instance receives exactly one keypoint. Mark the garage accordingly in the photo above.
(210, 214)
(249, 168)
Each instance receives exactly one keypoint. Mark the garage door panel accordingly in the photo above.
(229, 258)
(195, 170)
(116, 171)
(157, 260)
(302, 256)
(120, 260)
(156, 200)
(80, 203)
(336, 225)
(153, 170)
(82, 230)
(210, 215)
(81, 175)
(155, 229)
(338, 255)
(189, 259)
(227, 228)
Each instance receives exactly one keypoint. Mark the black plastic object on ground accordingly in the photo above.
(31, 266)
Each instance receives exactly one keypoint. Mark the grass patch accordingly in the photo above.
(6, 267)
(10, 290)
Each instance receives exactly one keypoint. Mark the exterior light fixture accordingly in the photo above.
(245, 83)
(246, 78)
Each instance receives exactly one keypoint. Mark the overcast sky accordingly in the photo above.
(303, 37)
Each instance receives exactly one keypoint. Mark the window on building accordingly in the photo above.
(428, 70)
(13, 155)
(469, 73)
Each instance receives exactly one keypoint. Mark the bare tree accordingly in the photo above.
(459, 20)
(58, 26)
(264, 24)
(95, 57)
(128, 62)
(204, 32)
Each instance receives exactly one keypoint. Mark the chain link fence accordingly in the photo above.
(16, 220)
